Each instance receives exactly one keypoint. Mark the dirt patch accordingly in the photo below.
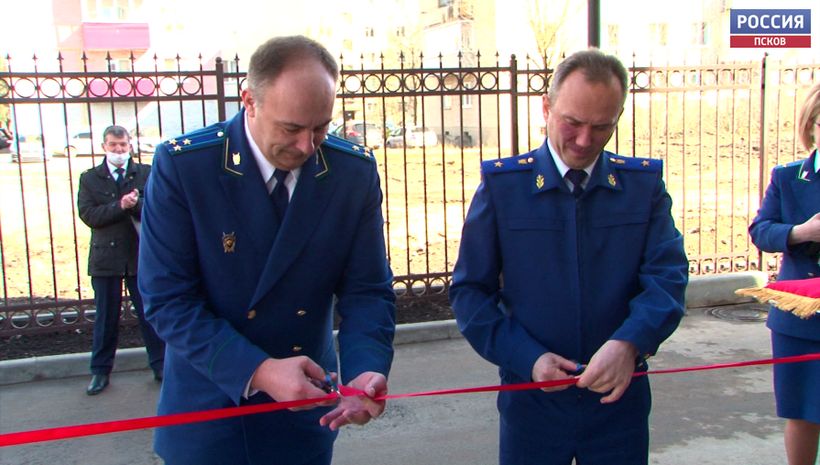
(78, 340)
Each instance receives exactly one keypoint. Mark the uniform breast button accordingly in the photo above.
(811, 275)
(301, 312)
(297, 348)
(252, 314)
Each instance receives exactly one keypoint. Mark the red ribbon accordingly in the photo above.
(117, 426)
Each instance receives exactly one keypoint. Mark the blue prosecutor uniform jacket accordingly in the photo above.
(539, 271)
(793, 196)
(227, 286)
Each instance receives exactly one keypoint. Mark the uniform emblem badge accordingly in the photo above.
(236, 158)
(539, 181)
(229, 242)
(611, 180)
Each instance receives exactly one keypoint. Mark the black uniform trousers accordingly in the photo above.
(108, 300)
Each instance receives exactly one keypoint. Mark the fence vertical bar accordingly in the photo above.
(514, 104)
(761, 185)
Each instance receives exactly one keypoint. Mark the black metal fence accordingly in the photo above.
(719, 128)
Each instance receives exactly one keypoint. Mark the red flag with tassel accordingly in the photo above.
(799, 296)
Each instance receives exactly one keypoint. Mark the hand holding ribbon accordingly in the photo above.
(358, 404)
(553, 367)
(289, 379)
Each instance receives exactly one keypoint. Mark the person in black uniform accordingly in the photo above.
(110, 203)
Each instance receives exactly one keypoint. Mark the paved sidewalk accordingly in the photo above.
(714, 417)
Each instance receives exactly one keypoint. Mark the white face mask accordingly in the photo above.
(117, 159)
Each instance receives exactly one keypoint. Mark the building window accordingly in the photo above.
(658, 34)
(447, 102)
(110, 10)
(700, 33)
(120, 65)
(443, 3)
(466, 101)
(368, 32)
(612, 35)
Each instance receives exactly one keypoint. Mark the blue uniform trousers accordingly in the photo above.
(539, 428)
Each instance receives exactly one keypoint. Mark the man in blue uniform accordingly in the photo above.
(570, 263)
(253, 231)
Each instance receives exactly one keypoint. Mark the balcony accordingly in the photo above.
(116, 36)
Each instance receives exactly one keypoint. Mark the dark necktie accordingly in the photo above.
(120, 177)
(576, 177)
(279, 194)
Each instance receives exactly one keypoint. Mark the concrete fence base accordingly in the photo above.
(703, 291)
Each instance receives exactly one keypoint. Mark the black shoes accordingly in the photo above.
(98, 383)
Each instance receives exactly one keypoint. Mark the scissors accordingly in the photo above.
(331, 386)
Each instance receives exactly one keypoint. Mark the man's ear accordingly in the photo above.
(545, 105)
(249, 102)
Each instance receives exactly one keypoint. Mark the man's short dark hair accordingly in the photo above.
(272, 57)
(597, 67)
(116, 131)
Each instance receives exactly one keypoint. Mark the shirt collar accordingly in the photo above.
(817, 161)
(265, 167)
(563, 168)
(113, 169)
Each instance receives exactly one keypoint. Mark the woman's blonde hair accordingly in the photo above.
(809, 115)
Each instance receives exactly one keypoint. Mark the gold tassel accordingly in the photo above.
(803, 307)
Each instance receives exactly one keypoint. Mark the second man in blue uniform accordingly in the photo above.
(570, 261)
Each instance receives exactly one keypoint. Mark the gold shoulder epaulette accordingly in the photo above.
(345, 146)
(501, 165)
(634, 163)
(199, 138)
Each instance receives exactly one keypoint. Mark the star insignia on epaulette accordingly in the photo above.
(187, 142)
(498, 164)
(539, 181)
(172, 142)
(645, 163)
(611, 180)
(177, 148)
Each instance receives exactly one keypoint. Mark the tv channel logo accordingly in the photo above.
(770, 28)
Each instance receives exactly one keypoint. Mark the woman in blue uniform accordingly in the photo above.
(789, 222)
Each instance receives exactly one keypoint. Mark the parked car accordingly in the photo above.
(80, 145)
(361, 133)
(412, 137)
(143, 143)
(28, 150)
